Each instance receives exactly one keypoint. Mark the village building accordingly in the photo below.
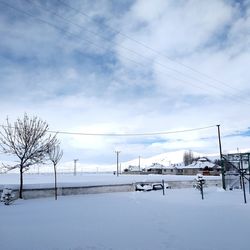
(132, 169)
(178, 168)
(201, 165)
(157, 168)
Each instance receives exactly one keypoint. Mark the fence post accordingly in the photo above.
(163, 187)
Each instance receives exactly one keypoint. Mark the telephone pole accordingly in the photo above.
(117, 162)
(139, 163)
(221, 159)
(75, 161)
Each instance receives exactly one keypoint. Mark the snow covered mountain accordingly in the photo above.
(166, 159)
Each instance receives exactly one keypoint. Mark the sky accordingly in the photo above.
(129, 66)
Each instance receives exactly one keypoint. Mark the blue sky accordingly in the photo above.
(128, 67)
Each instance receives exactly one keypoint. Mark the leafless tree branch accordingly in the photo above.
(55, 154)
(28, 140)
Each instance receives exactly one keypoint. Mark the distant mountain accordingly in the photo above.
(166, 159)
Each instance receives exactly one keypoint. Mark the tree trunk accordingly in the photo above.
(55, 182)
(21, 183)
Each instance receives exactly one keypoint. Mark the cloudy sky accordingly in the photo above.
(132, 66)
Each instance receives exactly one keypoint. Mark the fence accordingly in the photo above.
(41, 192)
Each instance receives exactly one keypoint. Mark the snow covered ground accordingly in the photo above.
(47, 180)
(180, 220)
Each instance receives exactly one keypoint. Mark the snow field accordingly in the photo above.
(47, 180)
(180, 220)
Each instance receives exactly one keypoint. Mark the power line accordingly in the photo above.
(90, 42)
(127, 58)
(133, 134)
(125, 134)
(118, 32)
(134, 52)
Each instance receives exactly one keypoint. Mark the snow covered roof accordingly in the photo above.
(159, 166)
(201, 164)
(203, 159)
(134, 168)
(156, 166)
(178, 165)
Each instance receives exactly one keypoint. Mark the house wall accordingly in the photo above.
(195, 171)
(179, 171)
(191, 171)
(169, 171)
(154, 171)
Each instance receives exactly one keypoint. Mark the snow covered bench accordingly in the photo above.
(150, 186)
(143, 187)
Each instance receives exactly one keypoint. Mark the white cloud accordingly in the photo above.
(78, 87)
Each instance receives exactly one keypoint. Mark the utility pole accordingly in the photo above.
(242, 175)
(139, 163)
(117, 162)
(221, 159)
(248, 172)
(75, 161)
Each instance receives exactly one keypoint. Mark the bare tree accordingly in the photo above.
(188, 157)
(55, 155)
(27, 140)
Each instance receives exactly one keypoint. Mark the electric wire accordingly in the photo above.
(118, 32)
(115, 43)
(90, 42)
(124, 134)
(136, 53)
(127, 58)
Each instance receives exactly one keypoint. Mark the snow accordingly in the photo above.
(180, 220)
(157, 166)
(200, 164)
(47, 180)
(144, 187)
(167, 159)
